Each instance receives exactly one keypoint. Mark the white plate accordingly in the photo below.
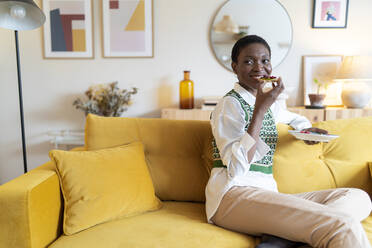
(313, 136)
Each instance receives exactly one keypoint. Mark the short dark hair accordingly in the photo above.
(245, 41)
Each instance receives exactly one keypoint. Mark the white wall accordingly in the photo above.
(181, 42)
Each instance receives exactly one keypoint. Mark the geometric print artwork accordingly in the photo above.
(127, 28)
(68, 29)
(67, 26)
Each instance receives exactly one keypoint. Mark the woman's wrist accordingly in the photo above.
(258, 113)
(256, 123)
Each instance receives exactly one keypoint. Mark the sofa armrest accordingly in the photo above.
(31, 209)
(79, 148)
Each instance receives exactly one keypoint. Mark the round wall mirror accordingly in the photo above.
(237, 18)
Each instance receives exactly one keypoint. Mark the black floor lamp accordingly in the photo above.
(20, 15)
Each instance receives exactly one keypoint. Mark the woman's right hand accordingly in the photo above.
(265, 99)
(263, 102)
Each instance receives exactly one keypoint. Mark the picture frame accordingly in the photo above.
(330, 13)
(68, 29)
(324, 69)
(127, 28)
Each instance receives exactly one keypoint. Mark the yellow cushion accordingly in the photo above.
(354, 143)
(178, 153)
(299, 167)
(340, 163)
(177, 224)
(348, 155)
(103, 185)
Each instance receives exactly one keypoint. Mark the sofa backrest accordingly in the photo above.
(342, 162)
(349, 157)
(179, 154)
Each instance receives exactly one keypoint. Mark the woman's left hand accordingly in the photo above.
(314, 130)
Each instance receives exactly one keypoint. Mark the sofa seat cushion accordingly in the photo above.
(176, 224)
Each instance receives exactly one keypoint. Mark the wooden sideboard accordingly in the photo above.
(314, 115)
(185, 114)
(331, 113)
(345, 113)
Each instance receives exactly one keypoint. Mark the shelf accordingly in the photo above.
(185, 114)
(223, 42)
(314, 115)
(66, 138)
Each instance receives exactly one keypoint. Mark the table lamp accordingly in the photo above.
(227, 25)
(20, 15)
(355, 71)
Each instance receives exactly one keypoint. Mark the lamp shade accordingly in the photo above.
(355, 68)
(20, 15)
(226, 25)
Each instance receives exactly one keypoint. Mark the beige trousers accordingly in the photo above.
(327, 218)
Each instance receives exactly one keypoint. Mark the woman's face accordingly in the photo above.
(253, 63)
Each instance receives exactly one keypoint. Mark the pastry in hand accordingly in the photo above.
(269, 78)
(268, 83)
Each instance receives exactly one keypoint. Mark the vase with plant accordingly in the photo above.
(243, 31)
(105, 100)
(316, 100)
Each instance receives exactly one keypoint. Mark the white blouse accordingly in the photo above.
(228, 123)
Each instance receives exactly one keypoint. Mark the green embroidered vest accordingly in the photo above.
(268, 134)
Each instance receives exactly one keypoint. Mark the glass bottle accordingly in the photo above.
(186, 92)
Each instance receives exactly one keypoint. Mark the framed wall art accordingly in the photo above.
(68, 32)
(330, 13)
(127, 28)
(323, 68)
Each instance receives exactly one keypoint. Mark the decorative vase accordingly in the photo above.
(186, 92)
(243, 31)
(316, 100)
(355, 95)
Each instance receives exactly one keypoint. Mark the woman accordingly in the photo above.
(242, 194)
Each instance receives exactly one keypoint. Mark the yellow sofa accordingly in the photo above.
(178, 155)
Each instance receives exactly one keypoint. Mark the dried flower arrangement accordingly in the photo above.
(105, 100)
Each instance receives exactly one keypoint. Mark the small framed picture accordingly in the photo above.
(318, 74)
(330, 13)
(127, 28)
(67, 32)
